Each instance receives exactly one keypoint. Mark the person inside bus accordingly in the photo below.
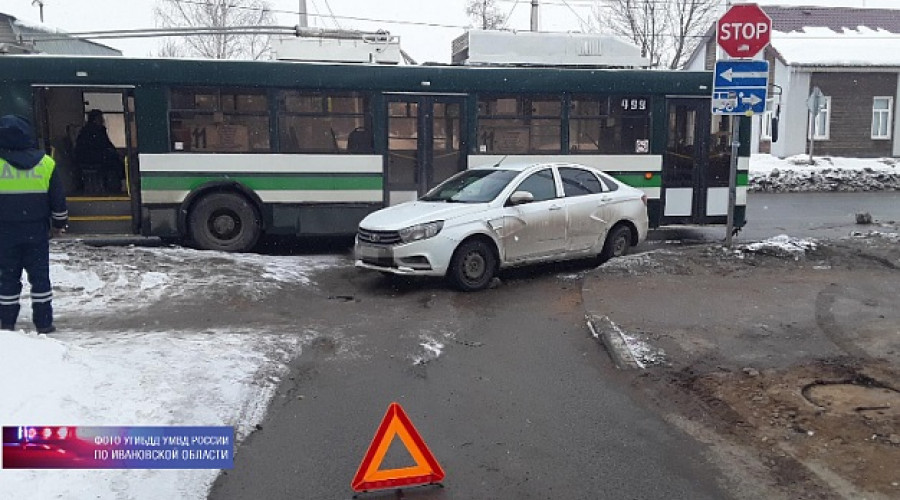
(102, 169)
(360, 141)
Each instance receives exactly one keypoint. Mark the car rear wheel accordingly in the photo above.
(473, 266)
(618, 241)
(226, 222)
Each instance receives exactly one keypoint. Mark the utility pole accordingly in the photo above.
(534, 15)
(304, 21)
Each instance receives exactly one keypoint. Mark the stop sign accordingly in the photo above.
(744, 30)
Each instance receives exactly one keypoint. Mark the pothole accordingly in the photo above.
(859, 395)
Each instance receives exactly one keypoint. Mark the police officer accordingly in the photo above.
(32, 205)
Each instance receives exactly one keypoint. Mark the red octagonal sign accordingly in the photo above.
(744, 30)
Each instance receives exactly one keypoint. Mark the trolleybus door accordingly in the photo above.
(425, 143)
(97, 203)
(696, 162)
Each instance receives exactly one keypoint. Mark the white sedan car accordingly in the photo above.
(487, 218)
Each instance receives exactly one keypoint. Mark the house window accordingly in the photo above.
(881, 117)
(767, 116)
(822, 124)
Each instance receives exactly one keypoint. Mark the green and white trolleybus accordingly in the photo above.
(218, 153)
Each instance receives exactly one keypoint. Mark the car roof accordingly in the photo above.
(522, 165)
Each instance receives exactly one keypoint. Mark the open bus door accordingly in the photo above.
(425, 143)
(696, 163)
(99, 202)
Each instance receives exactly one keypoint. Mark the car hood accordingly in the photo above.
(417, 212)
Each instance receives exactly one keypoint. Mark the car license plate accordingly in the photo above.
(372, 253)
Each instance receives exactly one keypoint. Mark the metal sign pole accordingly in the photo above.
(732, 177)
(812, 136)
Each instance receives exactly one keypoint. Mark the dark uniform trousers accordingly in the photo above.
(25, 246)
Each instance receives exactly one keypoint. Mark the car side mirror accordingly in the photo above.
(521, 197)
(774, 129)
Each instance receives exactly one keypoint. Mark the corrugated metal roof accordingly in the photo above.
(28, 37)
(787, 19)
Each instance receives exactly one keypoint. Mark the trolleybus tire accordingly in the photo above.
(473, 266)
(224, 221)
(618, 241)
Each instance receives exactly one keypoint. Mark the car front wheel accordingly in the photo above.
(473, 266)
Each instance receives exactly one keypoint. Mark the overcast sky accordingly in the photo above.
(425, 27)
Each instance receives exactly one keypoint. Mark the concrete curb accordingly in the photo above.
(610, 335)
(113, 240)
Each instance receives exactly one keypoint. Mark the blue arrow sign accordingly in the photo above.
(740, 87)
(738, 101)
(738, 73)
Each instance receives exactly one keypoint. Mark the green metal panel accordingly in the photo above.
(461, 79)
(637, 179)
(16, 98)
(151, 103)
(659, 121)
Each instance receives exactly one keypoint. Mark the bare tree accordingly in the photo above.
(485, 14)
(224, 14)
(666, 31)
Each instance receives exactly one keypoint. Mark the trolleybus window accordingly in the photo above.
(322, 122)
(609, 124)
(219, 121)
(517, 124)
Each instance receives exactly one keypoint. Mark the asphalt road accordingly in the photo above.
(802, 215)
(520, 403)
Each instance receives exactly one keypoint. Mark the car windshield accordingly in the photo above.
(471, 186)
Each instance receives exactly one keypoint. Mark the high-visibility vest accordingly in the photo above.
(33, 180)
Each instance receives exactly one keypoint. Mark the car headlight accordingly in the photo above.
(421, 231)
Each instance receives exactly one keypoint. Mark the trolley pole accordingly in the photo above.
(732, 177)
(304, 20)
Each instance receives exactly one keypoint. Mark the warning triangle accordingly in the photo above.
(426, 471)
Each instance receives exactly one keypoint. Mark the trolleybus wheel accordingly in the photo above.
(473, 266)
(224, 221)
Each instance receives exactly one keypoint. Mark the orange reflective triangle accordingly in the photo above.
(396, 423)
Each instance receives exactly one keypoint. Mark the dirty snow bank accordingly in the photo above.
(794, 174)
(95, 280)
(781, 246)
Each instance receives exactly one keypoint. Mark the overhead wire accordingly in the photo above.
(510, 13)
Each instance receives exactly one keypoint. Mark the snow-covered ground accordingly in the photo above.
(143, 378)
(795, 174)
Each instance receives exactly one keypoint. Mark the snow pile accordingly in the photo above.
(645, 354)
(211, 378)
(894, 237)
(433, 349)
(91, 281)
(781, 246)
(642, 263)
(794, 174)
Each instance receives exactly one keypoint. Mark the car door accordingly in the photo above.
(535, 229)
(589, 208)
